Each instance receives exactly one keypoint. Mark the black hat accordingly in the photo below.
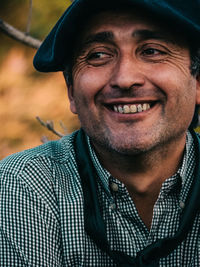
(54, 53)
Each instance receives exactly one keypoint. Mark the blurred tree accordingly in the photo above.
(22, 28)
(24, 92)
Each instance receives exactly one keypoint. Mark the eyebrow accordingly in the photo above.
(140, 35)
(99, 37)
(145, 34)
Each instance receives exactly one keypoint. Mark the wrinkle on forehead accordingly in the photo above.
(147, 26)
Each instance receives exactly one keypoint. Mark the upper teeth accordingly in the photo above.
(131, 108)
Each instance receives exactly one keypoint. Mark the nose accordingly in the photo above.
(127, 74)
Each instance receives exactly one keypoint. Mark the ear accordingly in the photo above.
(198, 90)
(70, 93)
(71, 99)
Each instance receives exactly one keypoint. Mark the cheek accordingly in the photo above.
(170, 79)
(91, 80)
(178, 85)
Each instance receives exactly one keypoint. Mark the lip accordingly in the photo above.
(131, 117)
(125, 101)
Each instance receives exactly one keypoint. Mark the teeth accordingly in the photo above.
(139, 108)
(145, 106)
(133, 108)
(128, 109)
(120, 109)
(115, 109)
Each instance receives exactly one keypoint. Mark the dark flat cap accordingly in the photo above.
(55, 51)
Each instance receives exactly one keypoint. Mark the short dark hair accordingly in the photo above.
(195, 61)
(195, 71)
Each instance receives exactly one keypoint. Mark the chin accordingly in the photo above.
(129, 148)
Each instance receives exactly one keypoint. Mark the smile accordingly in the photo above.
(131, 108)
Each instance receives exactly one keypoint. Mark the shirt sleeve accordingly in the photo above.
(9, 254)
(29, 229)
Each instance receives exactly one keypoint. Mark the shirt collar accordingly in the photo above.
(184, 173)
(102, 173)
(179, 178)
(188, 158)
(187, 170)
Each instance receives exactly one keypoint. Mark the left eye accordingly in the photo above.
(99, 58)
(152, 51)
(97, 55)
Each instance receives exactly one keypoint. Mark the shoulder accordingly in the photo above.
(41, 175)
(35, 187)
(41, 169)
(58, 152)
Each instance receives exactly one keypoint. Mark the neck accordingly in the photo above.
(144, 173)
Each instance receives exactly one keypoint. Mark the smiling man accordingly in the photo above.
(124, 189)
(131, 86)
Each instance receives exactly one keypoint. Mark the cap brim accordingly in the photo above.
(56, 49)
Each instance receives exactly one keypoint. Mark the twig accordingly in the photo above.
(49, 125)
(28, 26)
(44, 139)
(19, 35)
(64, 127)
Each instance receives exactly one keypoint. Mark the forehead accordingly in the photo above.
(129, 21)
(119, 19)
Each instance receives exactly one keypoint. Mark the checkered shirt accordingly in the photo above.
(42, 211)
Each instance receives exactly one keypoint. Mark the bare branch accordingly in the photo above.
(19, 35)
(64, 127)
(49, 125)
(28, 26)
(44, 139)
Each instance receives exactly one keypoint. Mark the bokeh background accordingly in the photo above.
(24, 92)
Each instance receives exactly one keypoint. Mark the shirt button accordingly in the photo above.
(114, 187)
(182, 204)
(112, 206)
(118, 221)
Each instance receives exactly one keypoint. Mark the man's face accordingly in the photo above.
(132, 87)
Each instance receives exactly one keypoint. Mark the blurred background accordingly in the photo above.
(24, 92)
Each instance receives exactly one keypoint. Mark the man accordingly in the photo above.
(123, 190)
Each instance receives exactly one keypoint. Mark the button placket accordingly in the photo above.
(181, 204)
(112, 206)
(114, 187)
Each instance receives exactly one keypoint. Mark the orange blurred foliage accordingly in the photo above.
(25, 94)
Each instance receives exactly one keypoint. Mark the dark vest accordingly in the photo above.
(94, 224)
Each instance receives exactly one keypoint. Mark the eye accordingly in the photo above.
(152, 52)
(98, 57)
